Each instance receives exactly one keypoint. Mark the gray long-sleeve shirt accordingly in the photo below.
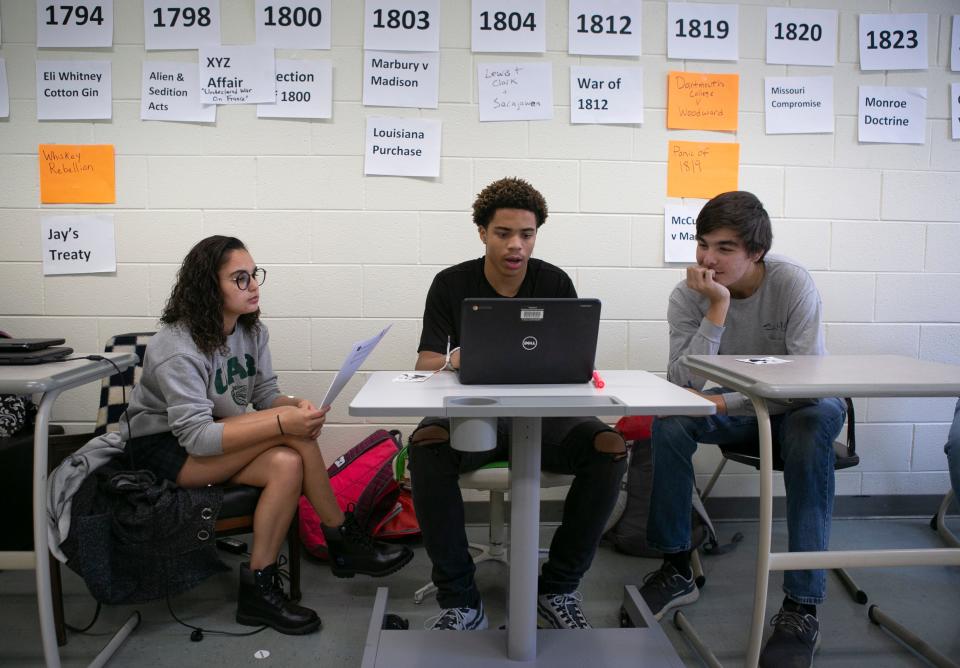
(781, 318)
(185, 391)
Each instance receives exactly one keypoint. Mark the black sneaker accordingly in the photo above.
(562, 611)
(796, 636)
(665, 589)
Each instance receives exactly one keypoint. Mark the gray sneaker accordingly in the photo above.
(665, 589)
(458, 619)
(795, 638)
(562, 611)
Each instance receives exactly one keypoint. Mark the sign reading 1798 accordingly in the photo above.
(181, 24)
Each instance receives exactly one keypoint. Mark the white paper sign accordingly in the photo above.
(702, 31)
(892, 115)
(955, 109)
(304, 90)
(955, 45)
(402, 146)
(515, 91)
(797, 105)
(401, 25)
(680, 232)
(83, 23)
(4, 91)
(605, 27)
(508, 26)
(237, 75)
(893, 42)
(181, 24)
(78, 244)
(73, 90)
(170, 92)
(401, 79)
(293, 24)
(801, 36)
(606, 95)
(359, 351)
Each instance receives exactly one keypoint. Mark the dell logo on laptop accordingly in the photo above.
(529, 343)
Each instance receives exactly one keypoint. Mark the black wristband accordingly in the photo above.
(280, 425)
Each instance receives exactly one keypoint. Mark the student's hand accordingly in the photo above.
(455, 359)
(700, 279)
(304, 421)
(716, 399)
(306, 404)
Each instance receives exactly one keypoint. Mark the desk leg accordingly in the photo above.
(524, 539)
(48, 633)
(765, 531)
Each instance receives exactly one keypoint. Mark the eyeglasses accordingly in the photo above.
(242, 279)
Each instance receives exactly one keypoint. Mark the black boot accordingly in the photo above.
(353, 551)
(262, 601)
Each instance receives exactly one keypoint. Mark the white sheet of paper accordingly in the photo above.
(414, 376)
(180, 24)
(74, 90)
(797, 105)
(401, 25)
(81, 244)
(606, 94)
(702, 31)
(237, 75)
(78, 23)
(294, 24)
(892, 115)
(170, 93)
(955, 109)
(801, 36)
(680, 232)
(893, 42)
(955, 45)
(605, 27)
(515, 91)
(401, 79)
(508, 26)
(358, 353)
(304, 90)
(402, 146)
(764, 360)
(4, 91)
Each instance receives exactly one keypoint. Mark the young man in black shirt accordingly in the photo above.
(508, 214)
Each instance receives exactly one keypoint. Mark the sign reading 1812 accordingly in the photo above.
(181, 24)
(401, 25)
(893, 42)
(702, 31)
(74, 23)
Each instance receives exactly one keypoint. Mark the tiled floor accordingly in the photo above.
(925, 599)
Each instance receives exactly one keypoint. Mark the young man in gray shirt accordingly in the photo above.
(739, 300)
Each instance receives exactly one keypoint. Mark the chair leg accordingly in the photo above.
(852, 588)
(713, 480)
(939, 522)
(56, 593)
(293, 550)
(497, 524)
(697, 567)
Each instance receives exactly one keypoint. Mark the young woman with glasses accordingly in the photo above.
(188, 422)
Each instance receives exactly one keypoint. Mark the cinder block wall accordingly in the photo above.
(878, 225)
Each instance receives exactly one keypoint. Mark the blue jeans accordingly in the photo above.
(952, 448)
(805, 437)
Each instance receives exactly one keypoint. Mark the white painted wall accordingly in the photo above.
(878, 225)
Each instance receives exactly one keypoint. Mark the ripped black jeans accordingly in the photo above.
(568, 448)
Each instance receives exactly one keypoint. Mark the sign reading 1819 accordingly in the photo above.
(181, 24)
(702, 31)
(402, 25)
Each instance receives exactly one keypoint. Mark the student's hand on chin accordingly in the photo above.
(700, 279)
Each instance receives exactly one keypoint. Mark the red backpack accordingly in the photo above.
(364, 479)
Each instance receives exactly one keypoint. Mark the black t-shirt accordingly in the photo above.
(441, 314)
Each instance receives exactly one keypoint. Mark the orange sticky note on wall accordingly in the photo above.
(697, 101)
(701, 169)
(77, 174)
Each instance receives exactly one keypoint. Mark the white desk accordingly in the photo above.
(625, 393)
(49, 380)
(811, 376)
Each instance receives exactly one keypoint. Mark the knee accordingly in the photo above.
(286, 467)
(611, 443)
(673, 432)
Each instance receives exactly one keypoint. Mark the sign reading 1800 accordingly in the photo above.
(294, 24)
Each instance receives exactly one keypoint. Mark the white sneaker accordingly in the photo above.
(458, 619)
(562, 611)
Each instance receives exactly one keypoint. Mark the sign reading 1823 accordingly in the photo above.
(893, 42)
(401, 25)
(181, 24)
(702, 31)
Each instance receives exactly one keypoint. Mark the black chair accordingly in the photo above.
(239, 501)
(845, 456)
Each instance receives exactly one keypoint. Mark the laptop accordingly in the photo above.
(530, 341)
(7, 345)
(16, 357)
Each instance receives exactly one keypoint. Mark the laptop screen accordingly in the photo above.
(530, 341)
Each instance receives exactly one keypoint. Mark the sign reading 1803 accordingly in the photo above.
(401, 25)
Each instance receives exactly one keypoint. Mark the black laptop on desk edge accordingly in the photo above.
(528, 341)
(20, 357)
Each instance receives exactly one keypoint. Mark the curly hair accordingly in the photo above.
(509, 193)
(196, 301)
(741, 212)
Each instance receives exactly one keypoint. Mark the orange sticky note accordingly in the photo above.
(701, 169)
(697, 101)
(77, 174)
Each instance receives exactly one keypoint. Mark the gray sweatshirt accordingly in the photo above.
(184, 391)
(781, 318)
